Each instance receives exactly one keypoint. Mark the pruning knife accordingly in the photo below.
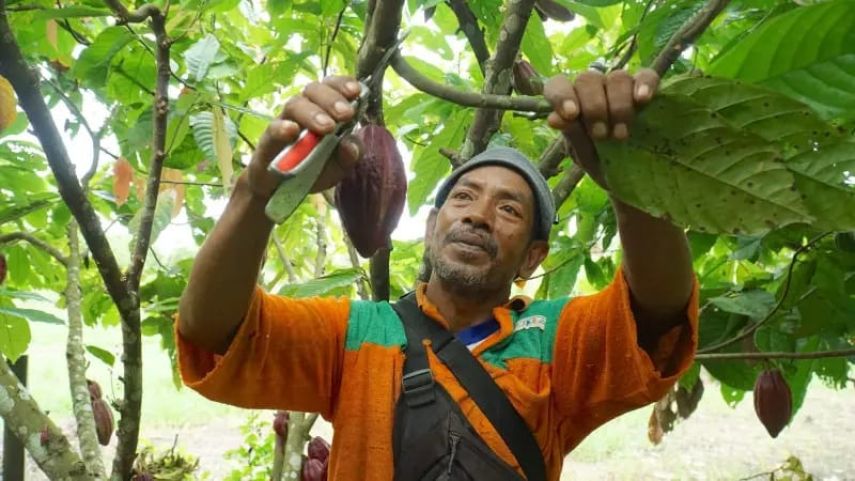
(300, 163)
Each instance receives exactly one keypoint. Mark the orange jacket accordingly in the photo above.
(567, 366)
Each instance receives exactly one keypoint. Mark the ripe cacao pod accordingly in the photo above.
(94, 390)
(2, 268)
(313, 470)
(773, 401)
(370, 200)
(526, 80)
(280, 424)
(103, 420)
(8, 111)
(553, 10)
(319, 449)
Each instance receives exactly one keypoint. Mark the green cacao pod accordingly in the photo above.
(370, 200)
(526, 81)
(773, 401)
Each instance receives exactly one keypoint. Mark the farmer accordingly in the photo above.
(566, 366)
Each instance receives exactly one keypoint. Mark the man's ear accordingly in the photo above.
(537, 252)
(430, 225)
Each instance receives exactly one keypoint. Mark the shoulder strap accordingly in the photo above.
(474, 378)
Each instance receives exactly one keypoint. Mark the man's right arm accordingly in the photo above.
(225, 270)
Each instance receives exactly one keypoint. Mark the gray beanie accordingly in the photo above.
(513, 159)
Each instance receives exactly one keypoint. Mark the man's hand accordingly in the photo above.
(597, 106)
(318, 108)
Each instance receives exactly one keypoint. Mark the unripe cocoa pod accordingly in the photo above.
(525, 80)
(371, 198)
(280, 424)
(313, 470)
(103, 420)
(2, 268)
(773, 401)
(94, 390)
(554, 10)
(319, 449)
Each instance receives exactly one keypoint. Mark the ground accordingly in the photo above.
(717, 443)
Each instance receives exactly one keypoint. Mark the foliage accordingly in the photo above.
(254, 457)
(756, 160)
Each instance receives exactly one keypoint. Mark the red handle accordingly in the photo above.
(296, 153)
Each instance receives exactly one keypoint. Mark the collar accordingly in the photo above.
(502, 314)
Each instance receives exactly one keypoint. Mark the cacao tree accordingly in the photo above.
(136, 118)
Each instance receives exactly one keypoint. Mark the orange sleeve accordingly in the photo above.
(599, 371)
(287, 354)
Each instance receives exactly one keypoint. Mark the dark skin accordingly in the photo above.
(482, 232)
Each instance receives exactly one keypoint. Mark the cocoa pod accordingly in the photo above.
(94, 390)
(370, 200)
(103, 420)
(554, 10)
(526, 80)
(319, 449)
(2, 268)
(313, 470)
(773, 401)
(280, 424)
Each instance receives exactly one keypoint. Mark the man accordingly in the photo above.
(567, 366)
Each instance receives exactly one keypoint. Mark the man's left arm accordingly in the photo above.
(657, 264)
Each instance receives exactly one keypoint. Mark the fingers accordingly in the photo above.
(590, 88)
(620, 102)
(322, 104)
(559, 92)
(646, 83)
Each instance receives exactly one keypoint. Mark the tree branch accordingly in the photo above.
(498, 77)
(381, 32)
(283, 257)
(44, 441)
(687, 34)
(774, 355)
(140, 15)
(749, 330)
(568, 182)
(523, 103)
(35, 241)
(379, 267)
(95, 136)
(299, 425)
(80, 399)
(551, 158)
(332, 39)
(469, 25)
(26, 85)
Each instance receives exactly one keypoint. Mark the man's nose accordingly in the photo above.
(479, 214)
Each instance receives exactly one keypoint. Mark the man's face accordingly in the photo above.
(480, 240)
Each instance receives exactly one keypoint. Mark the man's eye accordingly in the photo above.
(510, 210)
(461, 195)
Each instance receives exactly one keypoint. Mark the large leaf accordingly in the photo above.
(208, 133)
(200, 56)
(32, 315)
(661, 24)
(686, 163)
(323, 285)
(162, 217)
(94, 62)
(755, 303)
(16, 211)
(14, 336)
(73, 11)
(825, 177)
(807, 53)
(222, 148)
(536, 46)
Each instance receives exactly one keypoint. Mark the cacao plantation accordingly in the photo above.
(128, 131)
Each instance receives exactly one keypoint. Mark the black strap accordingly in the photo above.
(472, 376)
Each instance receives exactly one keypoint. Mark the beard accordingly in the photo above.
(463, 277)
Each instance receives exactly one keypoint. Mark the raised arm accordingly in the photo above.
(226, 268)
(656, 259)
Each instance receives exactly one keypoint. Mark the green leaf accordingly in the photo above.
(22, 295)
(267, 78)
(104, 355)
(94, 62)
(688, 164)
(536, 46)
(200, 56)
(202, 124)
(825, 178)
(586, 10)
(14, 336)
(562, 280)
(32, 315)
(162, 217)
(736, 374)
(807, 53)
(16, 211)
(690, 378)
(661, 24)
(429, 165)
(755, 303)
(323, 285)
